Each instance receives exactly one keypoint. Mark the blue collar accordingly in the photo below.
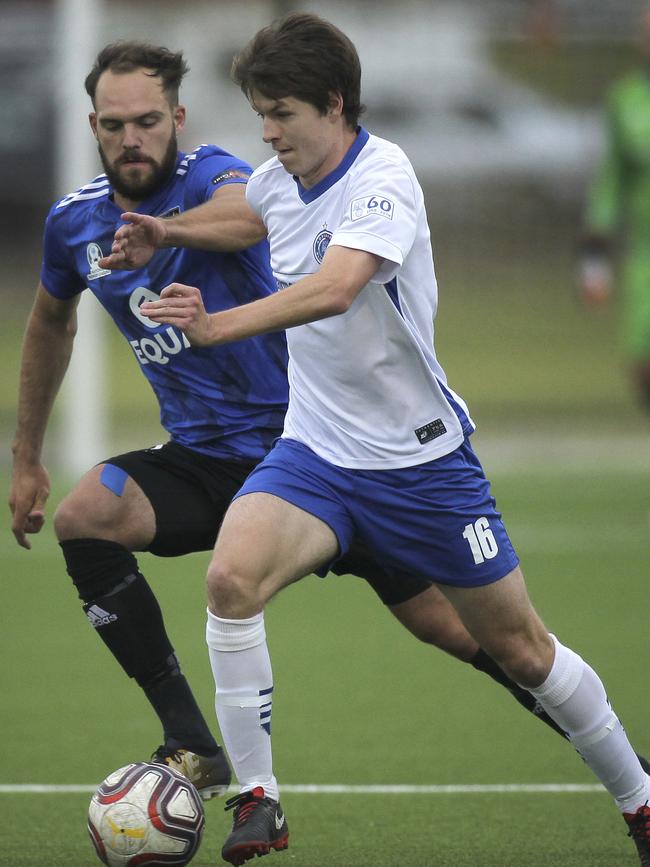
(323, 185)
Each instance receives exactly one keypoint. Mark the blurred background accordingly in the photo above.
(499, 104)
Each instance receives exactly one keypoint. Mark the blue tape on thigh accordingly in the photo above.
(114, 478)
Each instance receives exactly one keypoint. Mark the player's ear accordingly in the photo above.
(92, 120)
(179, 117)
(335, 106)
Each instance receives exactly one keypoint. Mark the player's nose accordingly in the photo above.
(131, 137)
(270, 132)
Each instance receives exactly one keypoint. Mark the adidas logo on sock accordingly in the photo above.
(99, 617)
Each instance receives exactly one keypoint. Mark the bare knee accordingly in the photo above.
(92, 511)
(75, 518)
(502, 620)
(524, 656)
(232, 592)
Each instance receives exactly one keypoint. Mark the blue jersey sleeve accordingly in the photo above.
(58, 272)
(209, 171)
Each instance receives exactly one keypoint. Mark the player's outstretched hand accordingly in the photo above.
(135, 242)
(30, 489)
(181, 306)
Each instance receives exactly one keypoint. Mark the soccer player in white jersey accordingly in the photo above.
(375, 440)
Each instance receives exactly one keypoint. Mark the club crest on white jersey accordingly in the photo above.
(321, 242)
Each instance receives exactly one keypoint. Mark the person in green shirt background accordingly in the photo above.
(617, 215)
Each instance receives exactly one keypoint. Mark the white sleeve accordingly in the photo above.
(257, 188)
(252, 196)
(380, 216)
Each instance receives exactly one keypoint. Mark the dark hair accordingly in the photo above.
(167, 65)
(303, 56)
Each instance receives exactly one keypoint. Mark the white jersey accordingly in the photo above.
(365, 388)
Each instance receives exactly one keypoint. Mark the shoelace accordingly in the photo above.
(164, 752)
(640, 823)
(243, 804)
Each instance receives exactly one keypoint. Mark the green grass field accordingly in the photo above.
(358, 700)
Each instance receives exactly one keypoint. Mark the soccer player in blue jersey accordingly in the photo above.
(222, 407)
(375, 442)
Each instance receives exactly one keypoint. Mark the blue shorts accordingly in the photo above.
(436, 520)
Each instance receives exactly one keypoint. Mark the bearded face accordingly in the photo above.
(135, 123)
(135, 175)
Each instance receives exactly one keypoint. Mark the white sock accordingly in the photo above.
(574, 696)
(242, 673)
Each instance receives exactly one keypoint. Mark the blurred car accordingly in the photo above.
(440, 96)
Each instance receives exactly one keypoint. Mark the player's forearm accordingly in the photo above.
(308, 300)
(329, 292)
(45, 356)
(227, 226)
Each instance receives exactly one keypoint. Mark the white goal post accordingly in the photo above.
(84, 429)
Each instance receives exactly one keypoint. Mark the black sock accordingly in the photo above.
(128, 619)
(183, 722)
(482, 662)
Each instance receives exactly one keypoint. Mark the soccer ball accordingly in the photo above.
(145, 813)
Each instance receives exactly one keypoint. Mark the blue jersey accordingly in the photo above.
(227, 401)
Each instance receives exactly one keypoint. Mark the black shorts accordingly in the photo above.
(190, 492)
(391, 585)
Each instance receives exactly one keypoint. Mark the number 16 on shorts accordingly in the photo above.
(481, 541)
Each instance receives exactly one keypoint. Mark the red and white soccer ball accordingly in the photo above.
(144, 814)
